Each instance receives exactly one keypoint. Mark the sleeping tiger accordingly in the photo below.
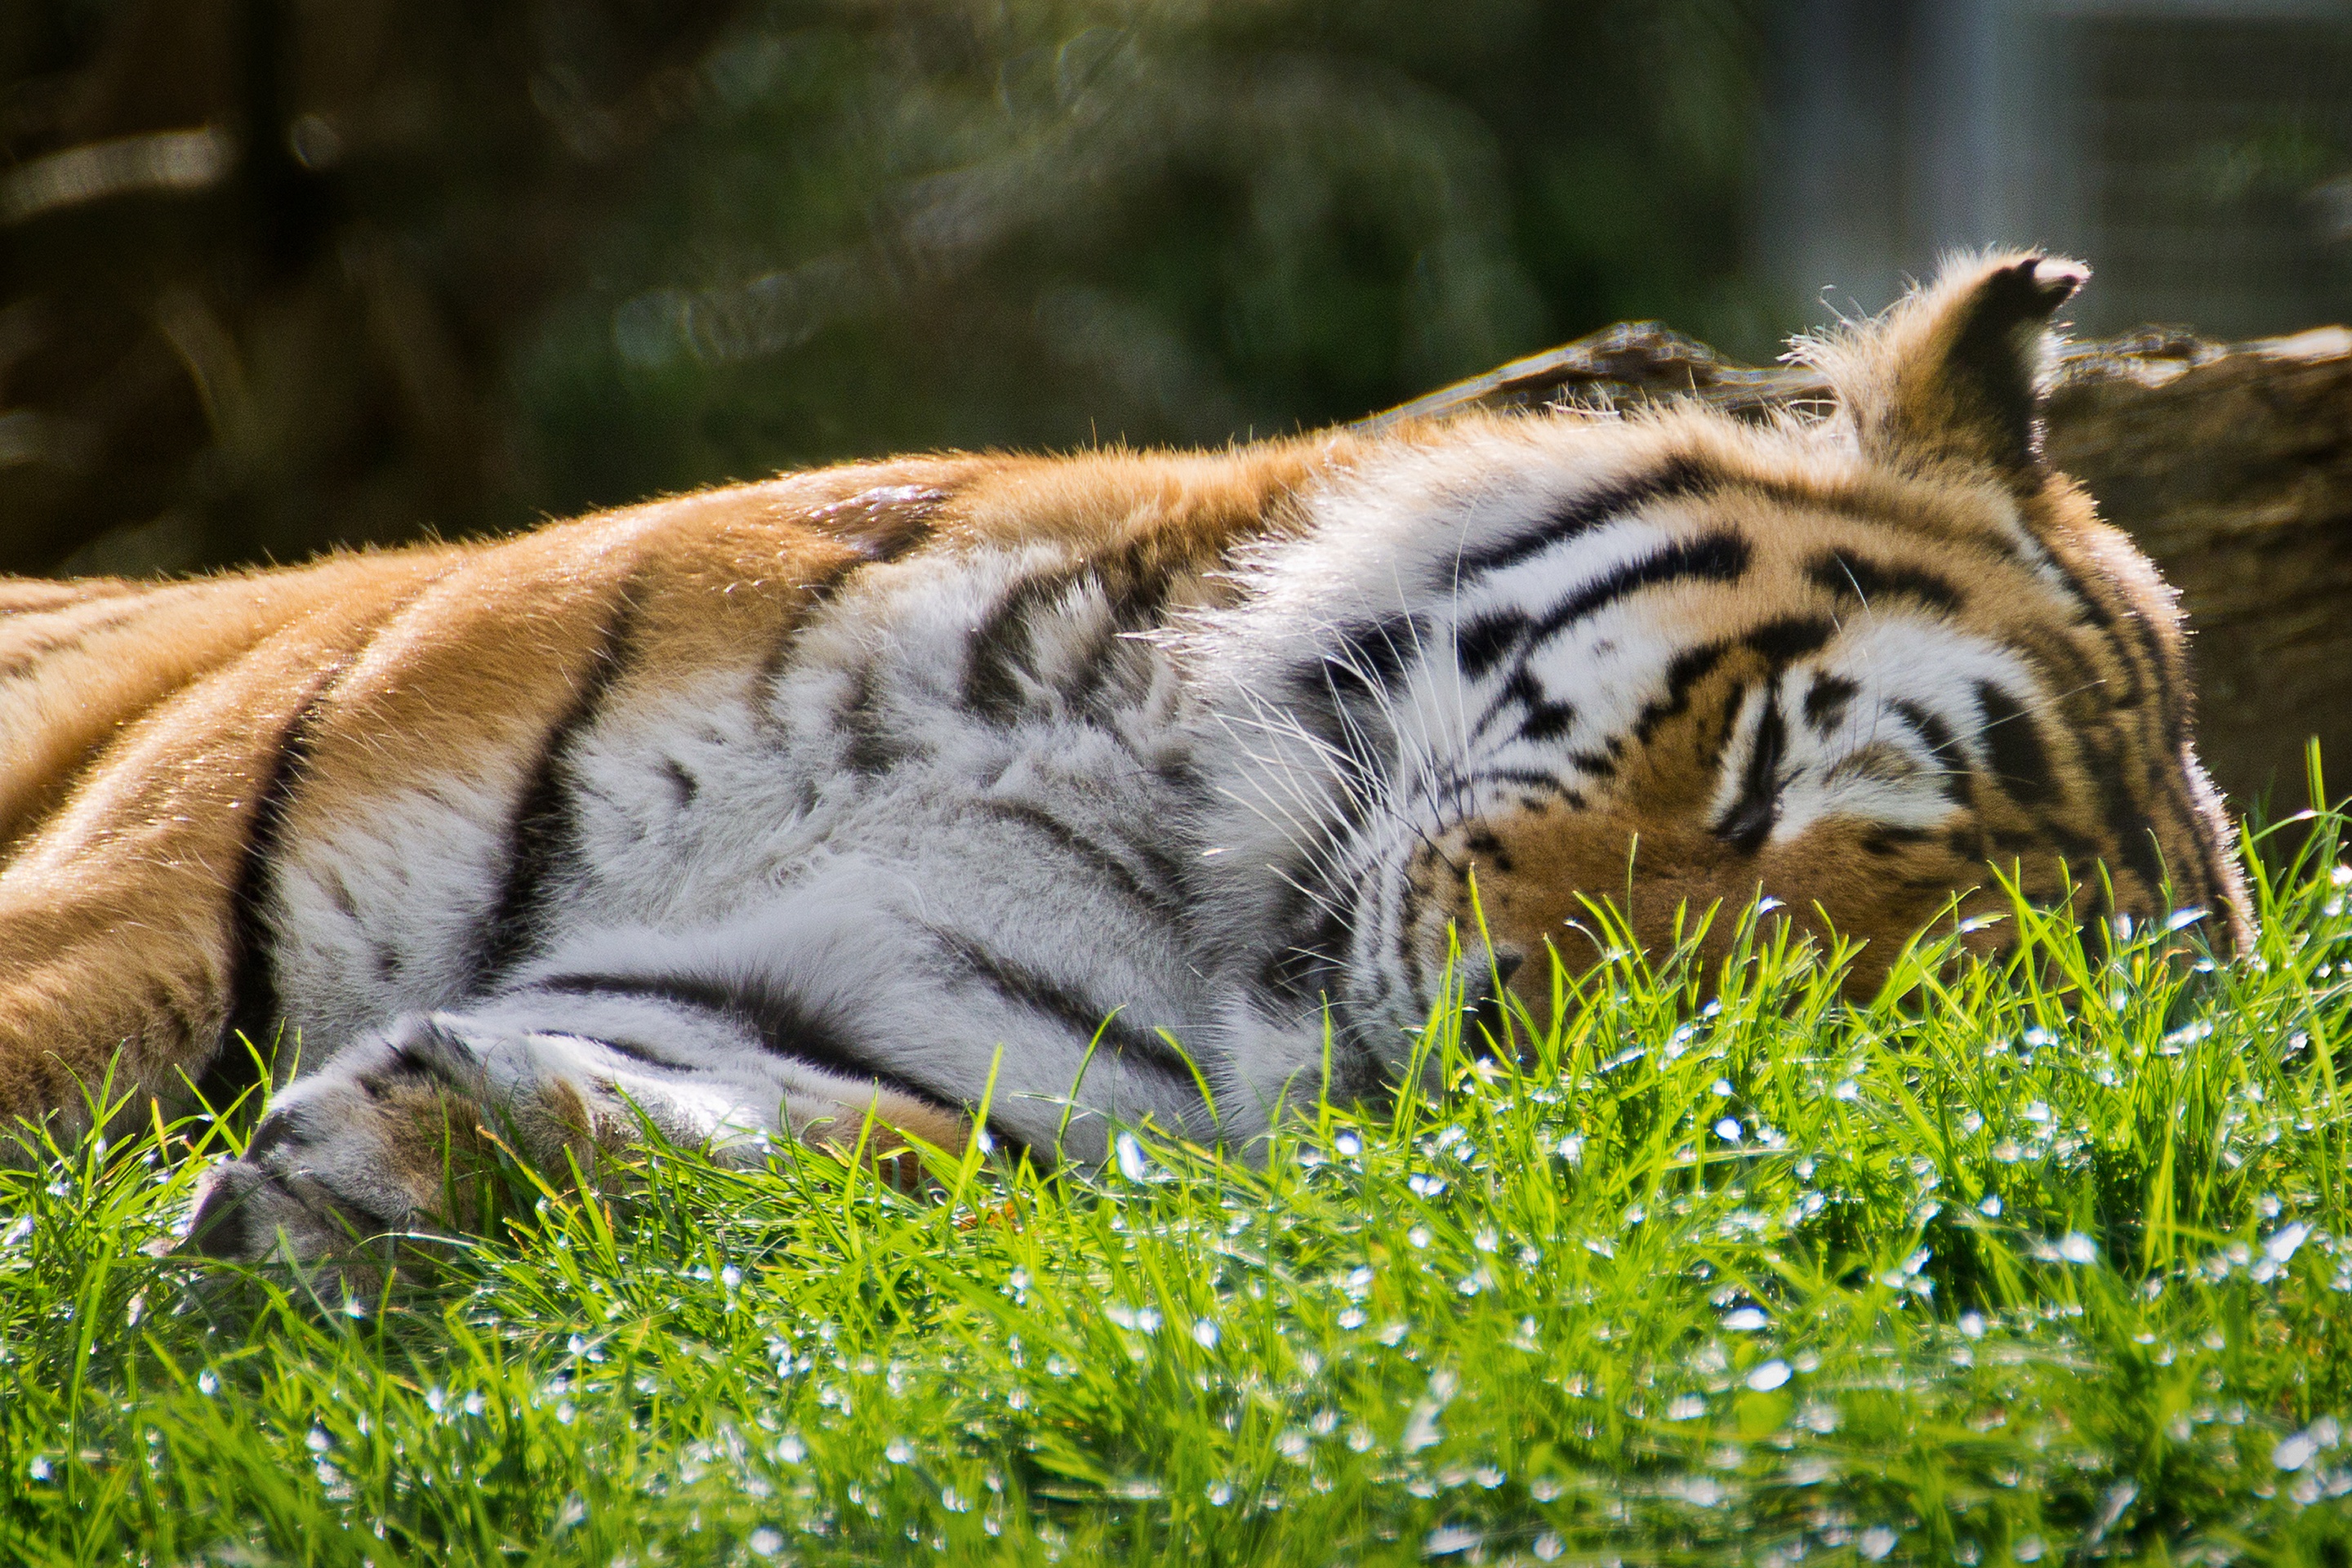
(1097, 789)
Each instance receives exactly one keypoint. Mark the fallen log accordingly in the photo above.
(2230, 463)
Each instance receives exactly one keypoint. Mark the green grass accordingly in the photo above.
(2043, 1262)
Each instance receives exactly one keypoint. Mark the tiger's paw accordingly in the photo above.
(395, 1140)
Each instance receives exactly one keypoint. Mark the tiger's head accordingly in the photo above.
(1860, 664)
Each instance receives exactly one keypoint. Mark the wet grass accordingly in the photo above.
(2038, 1261)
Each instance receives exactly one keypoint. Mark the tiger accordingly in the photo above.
(1027, 798)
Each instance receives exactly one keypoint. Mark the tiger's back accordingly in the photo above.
(1094, 788)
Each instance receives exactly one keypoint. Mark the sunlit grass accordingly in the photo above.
(2037, 1261)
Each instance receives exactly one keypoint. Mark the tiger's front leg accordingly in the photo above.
(394, 1135)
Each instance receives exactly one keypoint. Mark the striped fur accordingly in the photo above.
(879, 786)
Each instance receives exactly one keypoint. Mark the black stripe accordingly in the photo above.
(544, 840)
(253, 1007)
(1371, 656)
(1826, 699)
(775, 662)
(1942, 744)
(1525, 778)
(780, 1023)
(2014, 743)
(1040, 995)
(1749, 821)
(998, 652)
(1850, 576)
(1303, 970)
(1784, 641)
(1886, 837)
(1679, 477)
(1715, 557)
(1689, 668)
(2126, 818)
(1000, 658)
(1546, 720)
(871, 748)
(1073, 843)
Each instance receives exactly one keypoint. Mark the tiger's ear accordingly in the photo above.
(1955, 370)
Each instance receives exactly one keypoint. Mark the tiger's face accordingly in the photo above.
(1861, 668)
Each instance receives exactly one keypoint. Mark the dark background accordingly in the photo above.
(279, 274)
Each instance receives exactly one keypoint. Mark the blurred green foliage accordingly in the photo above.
(455, 268)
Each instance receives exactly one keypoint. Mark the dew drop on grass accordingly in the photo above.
(1769, 1376)
(318, 1442)
(1447, 1540)
(766, 1542)
(2028, 1549)
(1990, 1207)
(730, 1276)
(1972, 1324)
(1347, 1144)
(1728, 1130)
(1130, 1157)
(1219, 1494)
(1847, 1090)
(898, 1450)
(1204, 1333)
(1819, 1417)
(1352, 1318)
(1686, 1407)
(1744, 1319)
(2076, 1247)
(1875, 1542)
(1425, 1185)
(208, 1385)
(2293, 1453)
(1418, 1237)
